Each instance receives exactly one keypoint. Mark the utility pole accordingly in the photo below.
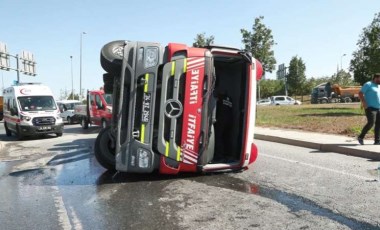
(72, 79)
(80, 66)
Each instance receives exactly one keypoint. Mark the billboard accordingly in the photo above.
(28, 65)
(4, 57)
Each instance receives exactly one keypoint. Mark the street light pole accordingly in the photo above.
(72, 78)
(341, 68)
(80, 66)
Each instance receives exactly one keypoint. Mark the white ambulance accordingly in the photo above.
(30, 109)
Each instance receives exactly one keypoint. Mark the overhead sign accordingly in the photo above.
(28, 63)
(281, 72)
(4, 57)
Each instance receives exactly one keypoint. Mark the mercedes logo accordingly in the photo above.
(173, 108)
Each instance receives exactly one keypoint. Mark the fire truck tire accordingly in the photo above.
(108, 80)
(108, 89)
(7, 131)
(111, 57)
(59, 134)
(103, 150)
(84, 123)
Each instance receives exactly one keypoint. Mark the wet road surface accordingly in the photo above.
(56, 183)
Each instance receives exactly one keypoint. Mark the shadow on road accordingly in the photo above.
(113, 177)
(69, 152)
(14, 138)
(74, 129)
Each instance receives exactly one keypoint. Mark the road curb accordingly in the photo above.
(337, 148)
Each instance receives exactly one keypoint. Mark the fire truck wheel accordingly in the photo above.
(84, 123)
(111, 57)
(108, 89)
(7, 131)
(59, 134)
(108, 80)
(104, 150)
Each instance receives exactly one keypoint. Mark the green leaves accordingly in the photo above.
(366, 59)
(296, 76)
(201, 40)
(260, 43)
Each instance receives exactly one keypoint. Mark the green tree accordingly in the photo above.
(260, 43)
(71, 97)
(201, 40)
(342, 78)
(270, 88)
(296, 77)
(366, 59)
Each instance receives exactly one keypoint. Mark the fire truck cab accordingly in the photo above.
(178, 108)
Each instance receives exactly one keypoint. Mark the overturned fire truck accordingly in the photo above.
(178, 108)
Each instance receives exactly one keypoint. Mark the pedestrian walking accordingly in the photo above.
(370, 98)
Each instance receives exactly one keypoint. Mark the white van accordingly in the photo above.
(30, 109)
(67, 110)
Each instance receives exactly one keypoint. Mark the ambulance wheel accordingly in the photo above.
(104, 150)
(59, 134)
(84, 123)
(7, 131)
(111, 57)
(19, 135)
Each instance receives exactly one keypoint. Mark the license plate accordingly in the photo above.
(44, 128)
(145, 114)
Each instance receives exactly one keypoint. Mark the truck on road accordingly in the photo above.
(178, 108)
(328, 93)
(96, 111)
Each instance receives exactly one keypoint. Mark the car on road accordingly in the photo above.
(264, 102)
(284, 100)
(66, 108)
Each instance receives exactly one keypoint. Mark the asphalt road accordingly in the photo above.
(55, 183)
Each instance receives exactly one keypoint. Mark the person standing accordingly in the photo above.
(370, 98)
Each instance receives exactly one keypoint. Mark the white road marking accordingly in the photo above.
(63, 217)
(77, 224)
(318, 167)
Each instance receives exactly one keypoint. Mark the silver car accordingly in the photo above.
(284, 100)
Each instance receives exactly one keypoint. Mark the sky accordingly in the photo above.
(318, 31)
